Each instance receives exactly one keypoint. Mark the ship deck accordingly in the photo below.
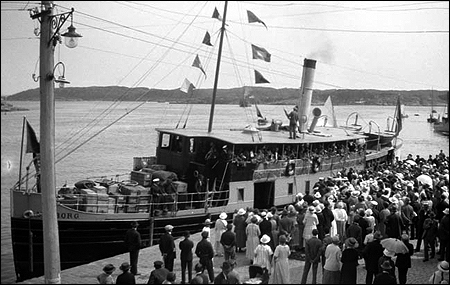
(238, 136)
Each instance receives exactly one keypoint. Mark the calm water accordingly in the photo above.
(112, 151)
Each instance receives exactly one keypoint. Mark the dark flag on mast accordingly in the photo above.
(197, 64)
(259, 78)
(260, 53)
(216, 14)
(207, 39)
(252, 18)
(32, 142)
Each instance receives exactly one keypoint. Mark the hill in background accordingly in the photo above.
(262, 95)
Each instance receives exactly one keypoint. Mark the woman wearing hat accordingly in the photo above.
(253, 232)
(239, 229)
(441, 275)
(263, 253)
(385, 277)
(219, 228)
(310, 221)
(105, 277)
(207, 228)
(349, 261)
(126, 277)
(281, 263)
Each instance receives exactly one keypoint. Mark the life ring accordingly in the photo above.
(28, 214)
(315, 165)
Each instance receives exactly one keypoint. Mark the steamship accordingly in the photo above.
(193, 175)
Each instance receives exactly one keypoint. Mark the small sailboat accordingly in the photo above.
(434, 116)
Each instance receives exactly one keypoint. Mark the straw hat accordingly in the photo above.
(168, 228)
(318, 209)
(223, 215)
(311, 209)
(317, 195)
(265, 239)
(208, 222)
(443, 266)
(241, 212)
(109, 268)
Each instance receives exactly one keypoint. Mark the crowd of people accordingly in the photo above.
(352, 216)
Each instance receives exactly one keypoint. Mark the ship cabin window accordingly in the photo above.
(308, 185)
(240, 194)
(191, 145)
(177, 145)
(290, 188)
(165, 141)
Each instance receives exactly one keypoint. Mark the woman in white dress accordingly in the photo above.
(310, 221)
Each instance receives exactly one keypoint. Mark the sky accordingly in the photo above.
(385, 45)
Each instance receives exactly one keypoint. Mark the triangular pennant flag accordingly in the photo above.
(197, 63)
(207, 39)
(187, 86)
(259, 78)
(32, 142)
(260, 53)
(216, 14)
(252, 18)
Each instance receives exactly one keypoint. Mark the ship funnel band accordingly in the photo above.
(28, 214)
(311, 63)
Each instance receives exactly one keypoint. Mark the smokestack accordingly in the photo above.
(316, 112)
(306, 88)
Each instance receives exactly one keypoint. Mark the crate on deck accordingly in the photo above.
(102, 203)
(141, 177)
(133, 190)
(180, 186)
(90, 198)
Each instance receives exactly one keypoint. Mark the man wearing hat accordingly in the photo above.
(313, 252)
(186, 257)
(441, 275)
(225, 277)
(228, 241)
(133, 243)
(167, 247)
(371, 254)
(387, 256)
(403, 262)
(385, 277)
(443, 233)
(205, 252)
(105, 277)
(293, 123)
(126, 277)
(159, 274)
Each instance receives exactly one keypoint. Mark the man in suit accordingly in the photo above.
(205, 252)
(159, 274)
(167, 247)
(384, 277)
(133, 243)
(313, 252)
(228, 241)
(186, 246)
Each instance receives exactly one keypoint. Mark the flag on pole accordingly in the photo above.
(197, 64)
(252, 18)
(207, 39)
(216, 14)
(260, 53)
(187, 86)
(259, 78)
(32, 142)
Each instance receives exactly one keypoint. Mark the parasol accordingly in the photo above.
(411, 162)
(425, 179)
(395, 245)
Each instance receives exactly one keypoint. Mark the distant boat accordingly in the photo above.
(416, 114)
(442, 126)
(434, 116)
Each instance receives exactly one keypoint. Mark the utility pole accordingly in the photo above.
(52, 266)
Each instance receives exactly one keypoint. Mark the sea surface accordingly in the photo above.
(111, 151)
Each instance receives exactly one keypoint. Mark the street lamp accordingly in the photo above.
(71, 37)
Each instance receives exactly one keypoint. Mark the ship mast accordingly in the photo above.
(213, 103)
